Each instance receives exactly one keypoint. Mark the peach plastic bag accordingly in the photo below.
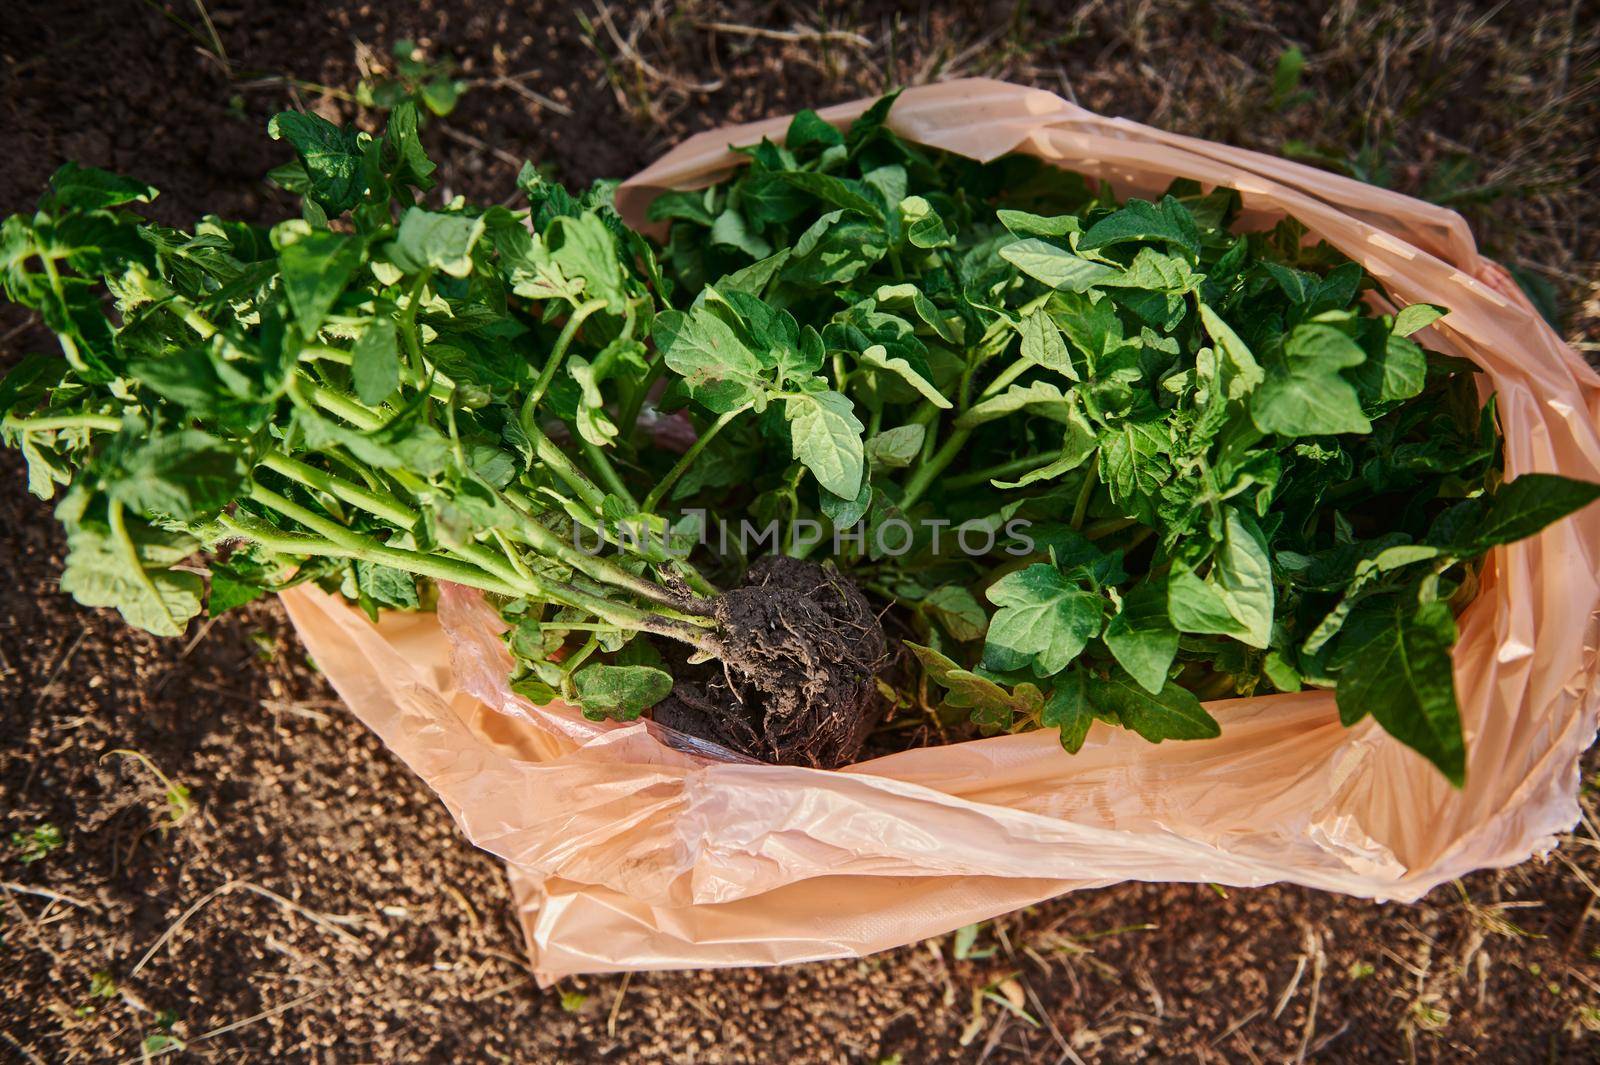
(626, 853)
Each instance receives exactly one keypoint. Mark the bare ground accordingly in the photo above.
(315, 903)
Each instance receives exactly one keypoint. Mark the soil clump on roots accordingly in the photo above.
(795, 685)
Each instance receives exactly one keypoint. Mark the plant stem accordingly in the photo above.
(608, 473)
(483, 569)
(342, 405)
(69, 346)
(107, 422)
(407, 321)
(1091, 477)
(1009, 468)
(1005, 377)
(635, 403)
(562, 466)
(354, 494)
(557, 354)
(928, 471)
(367, 549)
(659, 492)
(286, 543)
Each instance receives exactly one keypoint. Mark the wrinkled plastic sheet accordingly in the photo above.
(628, 849)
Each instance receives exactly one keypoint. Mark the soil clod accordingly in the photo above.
(801, 647)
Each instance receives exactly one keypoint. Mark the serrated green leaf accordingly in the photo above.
(1056, 267)
(621, 693)
(1303, 394)
(1045, 620)
(826, 436)
(1171, 714)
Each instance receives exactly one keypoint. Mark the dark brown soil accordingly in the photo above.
(795, 683)
(318, 904)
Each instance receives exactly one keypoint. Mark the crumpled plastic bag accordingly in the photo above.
(627, 852)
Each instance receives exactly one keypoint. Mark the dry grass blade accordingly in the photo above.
(232, 1026)
(327, 922)
(843, 36)
(46, 893)
(603, 15)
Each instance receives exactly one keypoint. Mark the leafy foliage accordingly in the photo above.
(1194, 463)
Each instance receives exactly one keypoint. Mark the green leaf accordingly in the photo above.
(730, 230)
(753, 279)
(958, 611)
(1169, 223)
(826, 436)
(1133, 458)
(1286, 76)
(690, 206)
(1303, 393)
(807, 129)
(184, 473)
(227, 593)
(1141, 636)
(983, 698)
(922, 225)
(442, 242)
(1025, 224)
(1399, 373)
(1036, 397)
(1069, 710)
(1045, 620)
(128, 568)
(315, 270)
(1243, 372)
(898, 447)
(621, 693)
(87, 188)
(1173, 713)
(375, 361)
(846, 195)
(1415, 317)
(720, 372)
(1400, 672)
(1517, 510)
(1042, 344)
(878, 357)
(1236, 598)
(331, 156)
(387, 586)
(1056, 267)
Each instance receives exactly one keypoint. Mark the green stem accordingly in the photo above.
(370, 550)
(533, 533)
(660, 491)
(441, 387)
(608, 473)
(929, 471)
(107, 422)
(1110, 525)
(407, 321)
(354, 494)
(1091, 477)
(1006, 376)
(1010, 468)
(558, 353)
(286, 543)
(135, 565)
(630, 413)
(69, 346)
(341, 405)
(562, 466)
(194, 319)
